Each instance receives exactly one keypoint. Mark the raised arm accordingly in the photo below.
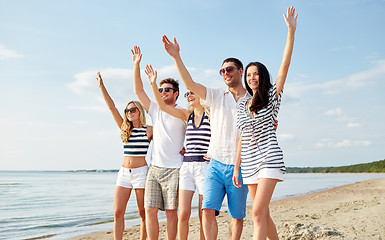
(173, 50)
(110, 103)
(176, 112)
(291, 22)
(138, 84)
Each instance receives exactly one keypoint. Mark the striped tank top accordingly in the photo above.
(137, 144)
(197, 139)
(260, 147)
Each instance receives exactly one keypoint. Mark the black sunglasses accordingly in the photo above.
(188, 94)
(226, 69)
(166, 89)
(131, 110)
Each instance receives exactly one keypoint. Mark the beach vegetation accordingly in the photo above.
(372, 167)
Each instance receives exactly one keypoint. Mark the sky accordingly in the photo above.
(53, 116)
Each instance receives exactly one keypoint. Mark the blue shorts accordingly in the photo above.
(219, 182)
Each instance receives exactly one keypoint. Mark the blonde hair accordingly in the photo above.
(205, 107)
(127, 126)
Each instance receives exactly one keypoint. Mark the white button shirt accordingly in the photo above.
(224, 132)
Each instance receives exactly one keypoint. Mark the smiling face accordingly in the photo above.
(232, 76)
(169, 97)
(252, 77)
(192, 99)
(132, 113)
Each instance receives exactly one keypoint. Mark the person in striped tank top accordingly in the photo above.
(259, 154)
(193, 170)
(136, 137)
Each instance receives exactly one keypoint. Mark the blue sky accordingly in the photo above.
(53, 116)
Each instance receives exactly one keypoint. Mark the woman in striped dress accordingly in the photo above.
(259, 155)
(136, 137)
(194, 165)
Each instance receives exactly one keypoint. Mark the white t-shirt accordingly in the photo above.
(168, 138)
(223, 120)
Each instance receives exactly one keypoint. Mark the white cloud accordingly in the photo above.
(343, 143)
(363, 143)
(352, 125)
(285, 137)
(355, 81)
(328, 143)
(80, 122)
(95, 108)
(8, 53)
(333, 112)
(86, 81)
(4, 121)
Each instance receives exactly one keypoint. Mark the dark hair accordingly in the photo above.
(261, 98)
(236, 62)
(173, 82)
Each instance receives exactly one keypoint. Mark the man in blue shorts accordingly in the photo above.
(223, 144)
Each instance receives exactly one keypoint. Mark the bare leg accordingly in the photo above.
(210, 226)
(172, 224)
(235, 229)
(260, 209)
(271, 229)
(202, 236)
(121, 197)
(152, 224)
(141, 211)
(185, 198)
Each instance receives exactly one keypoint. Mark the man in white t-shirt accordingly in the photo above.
(223, 143)
(161, 190)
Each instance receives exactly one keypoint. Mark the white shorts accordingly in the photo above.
(192, 175)
(132, 177)
(264, 173)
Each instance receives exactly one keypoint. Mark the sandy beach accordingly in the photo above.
(354, 211)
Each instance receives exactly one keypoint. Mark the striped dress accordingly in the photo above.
(137, 144)
(197, 139)
(259, 142)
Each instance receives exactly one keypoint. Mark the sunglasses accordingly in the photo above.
(226, 69)
(188, 94)
(130, 110)
(166, 89)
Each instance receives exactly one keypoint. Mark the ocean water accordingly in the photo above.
(61, 205)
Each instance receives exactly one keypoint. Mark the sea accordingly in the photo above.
(65, 204)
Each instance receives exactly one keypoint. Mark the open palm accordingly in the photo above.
(151, 74)
(136, 55)
(291, 18)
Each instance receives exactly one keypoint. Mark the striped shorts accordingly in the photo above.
(162, 188)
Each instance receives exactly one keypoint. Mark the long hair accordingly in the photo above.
(261, 98)
(127, 125)
(206, 110)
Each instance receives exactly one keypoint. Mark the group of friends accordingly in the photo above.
(230, 148)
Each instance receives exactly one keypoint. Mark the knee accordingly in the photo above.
(151, 213)
(260, 214)
(184, 215)
(119, 213)
(142, 213)
(208, 214)
(172, 216)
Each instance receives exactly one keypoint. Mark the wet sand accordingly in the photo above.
(354, 211)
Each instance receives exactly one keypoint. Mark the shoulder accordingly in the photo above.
(153, 107)
(216, 91)
(243, 101)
